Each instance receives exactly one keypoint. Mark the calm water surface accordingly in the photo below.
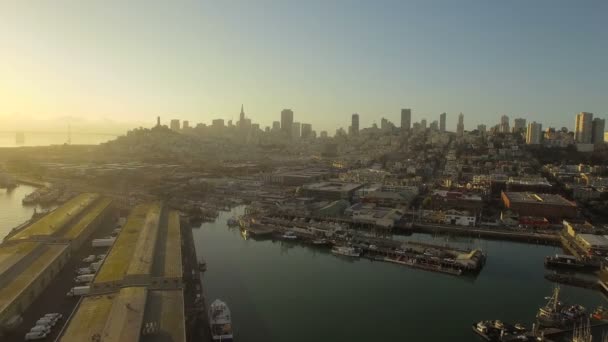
(8, 139)
(282, 291)
(12, 212)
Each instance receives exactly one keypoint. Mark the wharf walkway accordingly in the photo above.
(523, 236)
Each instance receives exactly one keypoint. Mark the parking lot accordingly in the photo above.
(53, 298)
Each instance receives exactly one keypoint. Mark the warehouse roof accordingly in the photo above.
(143, 254)
(75, 230)
(117, 261)
(57, 219)
(18, 277)
(120, 316)
(173, 248)
(531, 197)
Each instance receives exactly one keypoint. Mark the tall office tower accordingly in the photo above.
(423, 124)
(406, 119)
(185, 124)
(174, 125)
(583, 128)
(323, 134)
(597, 133)
(460, 125)
(519, 125)
(504, 124)
(276, 126)
(434, 126)
(287, 122)
(383, 124)
(158, 121)
(306, 131)
(296, 128)
(218, 123)
(534, 133)
(354, 125)
(482, 129)
(442, 118)
(242, 115)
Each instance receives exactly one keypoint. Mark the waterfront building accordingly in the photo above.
(550, 206)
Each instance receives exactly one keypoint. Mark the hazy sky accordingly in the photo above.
(198, 60)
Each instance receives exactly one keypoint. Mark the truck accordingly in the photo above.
(96, 265)
(105, 242)
(78, 291)
(84, 278)
(84, 270)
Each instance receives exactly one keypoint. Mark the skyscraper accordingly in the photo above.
(583, 128)
(406, 119)
(354, 126)
(185, 124)
(442, 118)
(519, 125)
(482, 129)
(534, 133)
(504, 124)
(434, 126)
(460, 125)
(174, 125)
(597, 132)
(423, 124)
(295, 132)
(276, 126)
(287, 122)
(306, 131)
(242, 115)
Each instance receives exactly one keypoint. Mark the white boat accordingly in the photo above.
(346, 251)
(289, 235)
(220, 321)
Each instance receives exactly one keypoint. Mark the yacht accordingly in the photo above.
(346, 251)
(220, 321)
(289, 235)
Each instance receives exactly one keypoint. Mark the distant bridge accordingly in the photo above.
(62, 133)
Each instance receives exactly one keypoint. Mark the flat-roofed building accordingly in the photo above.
(331, 190)
(137, 294)
(125, 315)
(553, 207)
(31, 258)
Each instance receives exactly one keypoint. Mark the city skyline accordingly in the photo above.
(356, 59)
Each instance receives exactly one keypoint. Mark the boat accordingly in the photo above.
(563, 261)
(555, 314)
(289, 235)
(346, 251)
(220, 321)
(496, 330)
(320, 242)
(600, 313)
(550, 314)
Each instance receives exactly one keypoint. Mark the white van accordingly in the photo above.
(35, 335)
(41, 328)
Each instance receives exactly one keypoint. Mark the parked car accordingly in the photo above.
(41, 328)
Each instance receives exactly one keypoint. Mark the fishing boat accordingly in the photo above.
(220, 321)
(320, 242)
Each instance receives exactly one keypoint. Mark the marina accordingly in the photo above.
(257, 277)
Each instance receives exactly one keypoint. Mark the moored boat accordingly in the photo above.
(220, 321)
(289, 235)
(563, 261)
(346, 251)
